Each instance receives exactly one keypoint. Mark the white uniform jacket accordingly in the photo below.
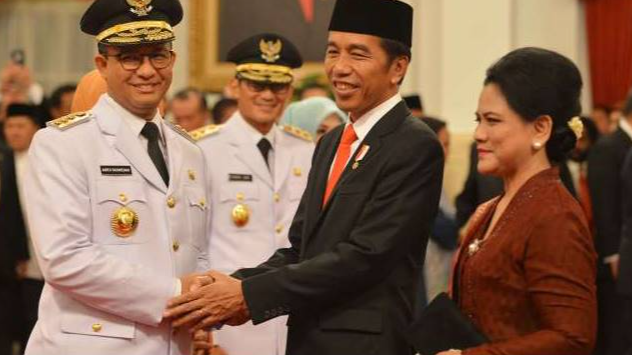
(105, 294)
(238, 175)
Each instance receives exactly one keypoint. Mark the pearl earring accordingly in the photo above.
(537, 145)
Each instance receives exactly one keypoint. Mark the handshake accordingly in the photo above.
(208, 300)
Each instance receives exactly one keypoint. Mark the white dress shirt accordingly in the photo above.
(136, 124)
(256, 136)
(363, 125)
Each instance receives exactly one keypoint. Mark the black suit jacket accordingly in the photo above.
(13, 241)
(13, 247)
(348, 281)
(625, 252)
(604, 182)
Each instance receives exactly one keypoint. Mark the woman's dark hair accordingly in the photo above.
(537, 82)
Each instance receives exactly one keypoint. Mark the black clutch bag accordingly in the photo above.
(441, 326)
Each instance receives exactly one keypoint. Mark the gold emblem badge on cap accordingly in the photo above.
(270, 50)
(124, 222)
(113, 22)
(240, 215)
(140, 7)
(265, 58)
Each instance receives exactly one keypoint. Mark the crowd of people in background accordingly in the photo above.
(597, 173)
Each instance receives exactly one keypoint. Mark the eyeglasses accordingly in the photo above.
(277, 89)
(133, 61)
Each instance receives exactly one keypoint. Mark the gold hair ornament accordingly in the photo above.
(577, 126)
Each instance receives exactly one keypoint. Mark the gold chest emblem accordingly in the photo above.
(270, 51)
(240, 215)
(140, 7)
(124, 222)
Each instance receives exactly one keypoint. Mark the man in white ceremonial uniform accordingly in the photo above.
(116, 199)
(257, 173)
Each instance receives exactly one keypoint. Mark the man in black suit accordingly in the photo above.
(604, 182)
(358, 239)
(625, 252)
(20, 125)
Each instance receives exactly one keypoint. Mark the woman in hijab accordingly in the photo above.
(316, 115)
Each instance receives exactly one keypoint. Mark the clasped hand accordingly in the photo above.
(212, 299)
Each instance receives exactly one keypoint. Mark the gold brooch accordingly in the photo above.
(577, 126)
(241, 215)
(124, 222)
(140, 8)
(270, 51)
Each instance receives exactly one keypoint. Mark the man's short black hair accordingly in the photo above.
(55, 98)
(187, 92)
(220, 106)
(395, 49)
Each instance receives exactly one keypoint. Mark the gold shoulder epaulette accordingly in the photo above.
(204, 132)
(65, 122)
(179, 130)
(298, 132)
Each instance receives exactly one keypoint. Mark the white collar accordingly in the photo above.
(255, 135)
(626, 127)
(134, 122)
(21, 155)
(363, 125)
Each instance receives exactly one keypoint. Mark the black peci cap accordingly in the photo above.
(129, 22)
(266, 57)
(390, 19)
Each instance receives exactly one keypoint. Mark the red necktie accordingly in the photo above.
(342, 156)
